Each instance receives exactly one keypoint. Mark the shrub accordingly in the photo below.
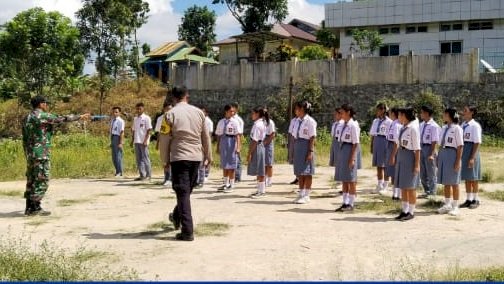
(427, 97)
(313, 52)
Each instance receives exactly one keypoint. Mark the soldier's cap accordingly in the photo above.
(37, 100)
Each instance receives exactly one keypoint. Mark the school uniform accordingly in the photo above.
(163, 129)
(335, 146)
(204, 171)
(270, 148)
(349, 136)
(116, 130)
(409, 142)
(451, 139)
(359, 149)
(241, 126)
(141, 126)
(290, 141)
(227, 131)
(429, 134)
(305, 129)
(472, 135)
(256, 167)
(379, 130)
(392, 139)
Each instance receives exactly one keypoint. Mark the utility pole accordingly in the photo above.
(291, 86)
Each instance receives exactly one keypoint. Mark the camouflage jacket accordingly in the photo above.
(38, 127)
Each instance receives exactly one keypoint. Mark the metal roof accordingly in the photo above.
(167, 48)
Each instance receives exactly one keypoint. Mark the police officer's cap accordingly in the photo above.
(37, 100)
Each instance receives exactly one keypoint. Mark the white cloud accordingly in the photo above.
(65, 7)
(227, 26)
(301, 9)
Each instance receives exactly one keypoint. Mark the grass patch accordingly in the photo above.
(487, 176)
(11, 193)
(70, 202)
(20, 261)
(496, 195)
(160, 226)
(380, 205)
(211, 229)
(106, 194)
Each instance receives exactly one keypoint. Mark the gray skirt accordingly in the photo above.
(256, 167)
(474, 173)
(379, 151)
(301, 166)
(446, 174)
(270, 153)
(334, 152)
(359, 157)
(404, 177)
(389, 169)
(290, 153)
(343, 172)
(228, 155)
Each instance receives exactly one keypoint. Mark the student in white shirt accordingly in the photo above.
(204, 170)
(471, 164)
(269, 147)
(304, 150)
(228, 146)
(241, 126)
(256, 155)
(407, 162)
(142, 127)
(429, 138)
(378, 133)
(449, 161)
(392, 139)
(117, 140)
(335, 133)
(290, 146)
(162, 128)
(346, 163)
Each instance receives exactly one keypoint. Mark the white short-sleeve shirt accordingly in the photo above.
(453, 137)
(241, 124)
(336, 128)
(292, 126)
(350, 133)
(258, 132)
(430, 131)
(209, 124)
(305, 128)
(380, 126)
(117, 126)
(141, 125)
(409, 136)
(472, 132)
(271, 128)
(227, 127)
(393, 131)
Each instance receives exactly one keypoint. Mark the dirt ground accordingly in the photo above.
(269, 239)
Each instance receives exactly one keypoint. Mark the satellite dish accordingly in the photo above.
(488, 67)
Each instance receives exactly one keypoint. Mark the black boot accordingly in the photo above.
(29, 207)
(38, 209)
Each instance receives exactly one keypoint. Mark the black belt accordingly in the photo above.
(382, 135)
(426, 144)
(115, 135)
(448, 147)
(468, 142)
(230, 135)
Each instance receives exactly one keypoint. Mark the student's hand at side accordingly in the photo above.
(309, 157)
(471, 164)
(457, 166)
(351, 164)
(416, 170)
(392, 161)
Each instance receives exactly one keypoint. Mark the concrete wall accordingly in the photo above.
(332, 73)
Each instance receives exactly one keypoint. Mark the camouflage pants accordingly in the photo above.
(37, 179)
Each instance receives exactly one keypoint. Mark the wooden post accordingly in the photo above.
(291, 86)
(236, 49)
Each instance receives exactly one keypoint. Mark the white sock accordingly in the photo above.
(399, 193)
(447, 201)
(345, 194)
(302, 192)
(226, 181)
(405, 207)
(385, 184)
(476, 197)
(306, 193)
(267, 180)
(380, 182)
(351, 199)
(262, 187)
(470, 196)
(396, 192)
(412, 209)
(347, 199)
(455, 203)
(232, 182)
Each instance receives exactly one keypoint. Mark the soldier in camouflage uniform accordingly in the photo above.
(38, 129)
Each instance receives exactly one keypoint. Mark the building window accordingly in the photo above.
(383, 31)
(451, 27)
(349, 32)
(422, 29)
(457, 27)
(395, 30)
(451, 47)
(445, 27)
(475, 26)
(389, 50)
(410, 30)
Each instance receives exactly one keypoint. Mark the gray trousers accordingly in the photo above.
(142, 160)
(428, 171)
(117, 154)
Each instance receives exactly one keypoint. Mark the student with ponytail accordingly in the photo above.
(471, 164)
(228, 146)
(256, 155)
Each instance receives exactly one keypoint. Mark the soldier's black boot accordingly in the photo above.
(29, 207)
(38, 209)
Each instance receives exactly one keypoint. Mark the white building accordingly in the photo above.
(424, 26)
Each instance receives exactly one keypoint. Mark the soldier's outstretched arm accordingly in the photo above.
(49, 118)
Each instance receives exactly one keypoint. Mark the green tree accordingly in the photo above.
(313, 52)
(198, 28)
(367, 42)
(283, 52)
(328, 39)
(145, 49)
(39, 51)
(256, 15)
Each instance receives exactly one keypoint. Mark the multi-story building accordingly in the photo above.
(423, 26)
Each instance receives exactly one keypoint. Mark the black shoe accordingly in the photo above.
(423, 196)
(408, 217)
(222, 188)
(140, 179)
(396, 199)
(296, 181)
(402, 215)
(175, 223)
(199, 185)
(184, 237)
(474, 204)
(348, 208)
(466, 204)
(342, 208)
(28, 208)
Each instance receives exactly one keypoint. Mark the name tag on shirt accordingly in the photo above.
(391, 137)
(467, 135)
(405, 143)
(450, 140)
(305, 131)
(383, 129)
(347, 136)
